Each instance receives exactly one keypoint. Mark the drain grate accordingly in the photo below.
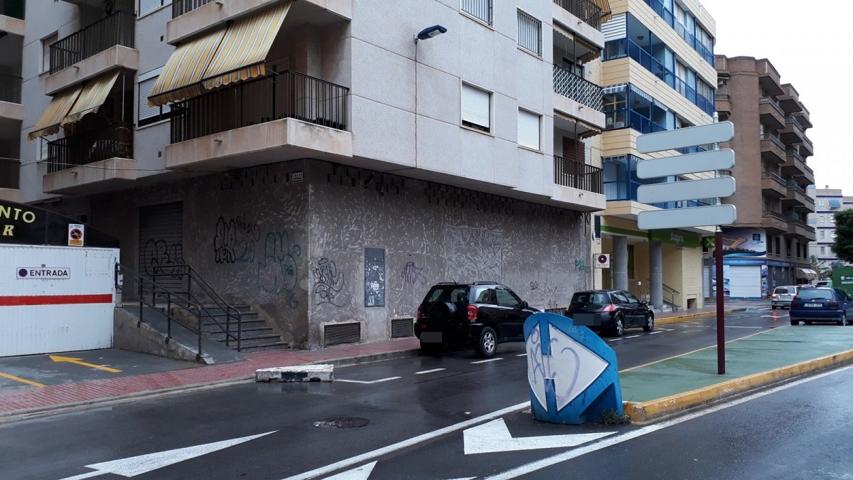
(342, 422)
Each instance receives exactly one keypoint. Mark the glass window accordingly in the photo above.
(476, 108)
(147, 114)
(619, 297)
(485, 295)
(815, 294)
(528, 129)
(507, 299)
(631, 298)
(45, 51)
(147, 6)
(588, 298)
(481, 9)
(529, 33)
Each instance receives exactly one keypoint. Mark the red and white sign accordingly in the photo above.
(602, 260)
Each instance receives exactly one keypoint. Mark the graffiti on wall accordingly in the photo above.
(161, 257)
(412, 274)
(328, 283)
(235, 240)
(277, 270)
(474, 253)
(374, 277)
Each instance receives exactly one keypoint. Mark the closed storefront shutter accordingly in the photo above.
(161, 246)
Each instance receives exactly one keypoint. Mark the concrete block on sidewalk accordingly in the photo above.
(299, 373)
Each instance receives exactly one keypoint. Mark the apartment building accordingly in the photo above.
(323, 162)
(827, 202)
(12, 29)
(768, 246)
(658, 74)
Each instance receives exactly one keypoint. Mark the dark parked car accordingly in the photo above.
(611, 311)
(820, 304)
(480, 314)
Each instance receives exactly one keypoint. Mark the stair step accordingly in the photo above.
(212, 326)
(256, 336)
(265, 346)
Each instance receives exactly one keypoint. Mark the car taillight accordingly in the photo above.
(472, 313)
(609, 308)
(775, 297)
(420, 313)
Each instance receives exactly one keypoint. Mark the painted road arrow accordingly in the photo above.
(494, 437)
(133, 466)
(80, 362)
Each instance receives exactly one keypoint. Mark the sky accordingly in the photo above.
(808, 43)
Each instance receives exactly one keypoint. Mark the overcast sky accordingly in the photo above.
(808, 43)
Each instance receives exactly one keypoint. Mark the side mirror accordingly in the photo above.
(524, 304)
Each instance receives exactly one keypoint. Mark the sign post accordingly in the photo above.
(719, 187)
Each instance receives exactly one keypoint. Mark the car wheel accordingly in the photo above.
(843, 321)
(650, 323)
(618, 328)
(795, 322)
(487, 344)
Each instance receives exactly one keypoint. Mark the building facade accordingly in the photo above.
(658, 74)
(828, 201)
(12, 28)
(768, 246)
(314, 161)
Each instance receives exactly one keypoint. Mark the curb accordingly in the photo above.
(693, 316)
(645, 412)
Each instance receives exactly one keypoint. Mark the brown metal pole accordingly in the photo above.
(721, 304)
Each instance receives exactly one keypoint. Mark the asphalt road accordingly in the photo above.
(384, 403)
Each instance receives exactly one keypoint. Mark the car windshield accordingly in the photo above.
(815, 294)
(781, 290)
(447, 293)
(587, 298)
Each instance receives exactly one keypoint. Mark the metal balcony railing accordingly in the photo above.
(577, 88)
(90, 147)
(585, 10)
(180, 7)
(775, 177)
(571, 173)
(115, 29)
(278, 96)
(10, 169)
(10, 88)
(772, 139)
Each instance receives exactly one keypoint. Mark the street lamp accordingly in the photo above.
(430, 32)
(425, 34)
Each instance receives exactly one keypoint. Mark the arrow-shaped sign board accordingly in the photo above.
(686, 190)
(682, 164)
(686, 137)
(687, 217)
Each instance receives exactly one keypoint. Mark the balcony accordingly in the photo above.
(573, 93)
(803, 118)
(795, 165)
(800, 228)
(773, 185)
(772, 149)
(792, 133)
(789, 99)
(105, 45)
(723, 102)
(578, 184)
(274, 118)
(769, 78)
(772, 220)
(585, 10)
(180, 7)
(797, 198)
(10, 98)
(90, 161)
(771, 114)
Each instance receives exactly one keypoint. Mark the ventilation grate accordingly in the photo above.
(402, 327)
(340, 333)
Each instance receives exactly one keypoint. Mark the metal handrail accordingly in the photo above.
(776, 177)
(578, 88)
(586, 10)
(772, 139)
(575, 174)
(180, 7)
(117, 28)
(83, 149)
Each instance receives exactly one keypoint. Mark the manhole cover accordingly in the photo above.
(342, 422)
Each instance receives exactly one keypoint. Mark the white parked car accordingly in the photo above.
(782, 296)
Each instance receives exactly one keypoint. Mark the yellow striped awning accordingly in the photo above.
(185, 69)
(244, 49)
(52, 116)
(92, 97)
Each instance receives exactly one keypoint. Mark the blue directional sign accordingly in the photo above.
(572, 373)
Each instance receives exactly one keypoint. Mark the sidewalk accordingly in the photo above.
(709, 310)
(672, 385)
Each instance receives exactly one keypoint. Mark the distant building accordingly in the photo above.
(827, 202)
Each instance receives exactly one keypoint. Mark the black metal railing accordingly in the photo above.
(577, 88)
(280, 95)
(571, 173)
(12, 8)
(86, 148)
(10, 88)
(115, 29)
(180, 7)
(772, 139)
(10, 172)
(671, 296)
(775, 177)
(585, 10)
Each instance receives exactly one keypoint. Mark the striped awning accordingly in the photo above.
(244, 49)
(52, 116)
(614, 88)
(92, 97)
(234, 53)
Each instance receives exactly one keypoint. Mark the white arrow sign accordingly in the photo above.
(494, 437)
(720, 187)
(133, 466)
(687, 217)
(686, 137)
(723, 159)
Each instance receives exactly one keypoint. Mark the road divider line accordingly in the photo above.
(18, 379)
(521, 355)
(654, 333)
(744, 326)
(488, 360)
(434, 370)
(632, 336)
(368, 382)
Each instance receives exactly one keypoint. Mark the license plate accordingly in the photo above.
(813, 305)
(431, 337)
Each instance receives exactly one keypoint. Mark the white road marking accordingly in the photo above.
(654, 333)
(434, 370)
(361, 473)
(614, 339)
(666, 330)
(134, 466)
(517, 355)
(494, 437)
(367, 382)
(609, 442)
(488, 360)
(632, 336)
(743, 326)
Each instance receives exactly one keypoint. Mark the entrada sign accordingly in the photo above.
(43, 273)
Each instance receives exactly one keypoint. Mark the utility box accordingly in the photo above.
(842, 277)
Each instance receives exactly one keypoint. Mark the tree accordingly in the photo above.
(843, 246)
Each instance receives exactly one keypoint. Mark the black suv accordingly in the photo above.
(610, 310)
(481, 314)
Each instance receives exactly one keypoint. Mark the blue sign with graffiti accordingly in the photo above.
(572, 373)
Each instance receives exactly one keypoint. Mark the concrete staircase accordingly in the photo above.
(255, 334)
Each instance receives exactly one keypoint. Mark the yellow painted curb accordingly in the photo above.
(643, 412)
(690, 316)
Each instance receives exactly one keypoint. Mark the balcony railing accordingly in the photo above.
(10, 169)
(571, 173)
(10, 88)
(585, 10)
(772, 139)
(278, 96)
(87, 148)
(625, 118)
(180, 7)
(577, 88)
(775, 177)
(115, 29)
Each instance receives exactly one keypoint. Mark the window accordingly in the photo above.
(823, 250)
(485, 295)
(476, 108)
(148, 6)
(45, 51)
(507, 299)
(481, 9)
(529, 33)
(148, 114)
(528, 129)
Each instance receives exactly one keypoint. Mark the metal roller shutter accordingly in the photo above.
(161, 245)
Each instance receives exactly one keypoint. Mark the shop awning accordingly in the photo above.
(52, 116)
(92, 97)
(807, 273)
(231, 54)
